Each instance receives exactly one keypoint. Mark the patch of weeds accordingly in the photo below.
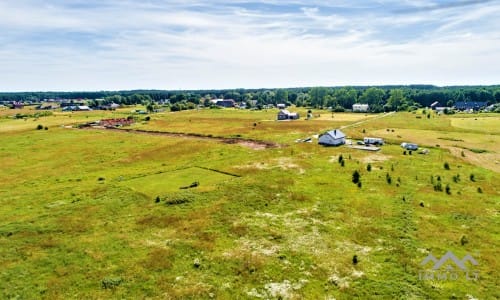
(111, 282)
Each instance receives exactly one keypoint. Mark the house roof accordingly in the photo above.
(284, 111)
(336, 134)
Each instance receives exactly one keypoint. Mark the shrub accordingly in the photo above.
(39, 127)
(111, 282)
(157, 200)
(369, 167)
(463, 240)
(356, 176)
(359, 184)
(46, 128)
(342, 163)
(355, 260)
(472, 178)
(456, 178)
(479, 190)
(438, 187)
(388, 178)
(148, 118)
(341, 158)
(446, 166)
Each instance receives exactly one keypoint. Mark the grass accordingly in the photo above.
(288, 227)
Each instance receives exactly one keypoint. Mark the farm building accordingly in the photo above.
(332, 138)
(281, 105)
(286, 115)
(225, 103)
(409, 146)
(360, 107)
(471, 105)
(373, 141)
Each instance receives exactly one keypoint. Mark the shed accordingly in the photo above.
(332, 138)
(373, 141)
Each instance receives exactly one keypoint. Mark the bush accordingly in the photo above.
(472, 178)
(446, 166)
(148, 118)
(39, 127)
(369, 167)
(388, 178)
(111, 283)
(448, 189)
(479, 190)
(341, 158)
(355, 260)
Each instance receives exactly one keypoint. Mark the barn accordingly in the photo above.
(332, 138)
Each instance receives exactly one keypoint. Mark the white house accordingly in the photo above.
(332, 138)
(360, 107)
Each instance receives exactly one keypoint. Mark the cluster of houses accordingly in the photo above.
(466, 106)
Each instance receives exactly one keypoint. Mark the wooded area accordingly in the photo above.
(380, 98)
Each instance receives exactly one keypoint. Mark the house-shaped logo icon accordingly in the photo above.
(449, 256)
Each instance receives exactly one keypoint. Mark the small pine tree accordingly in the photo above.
(157, 200)
(479, 190)
(342, 163)
(369, 167)
(448, 189)
(356, 176)
(355, 260)
(388, 178)
(341, 158)
(472, 178)
(446, 166)
(359, 184)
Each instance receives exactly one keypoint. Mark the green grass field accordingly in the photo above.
(80, 219)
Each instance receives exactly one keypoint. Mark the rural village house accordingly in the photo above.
(332, 138)
(286, 115)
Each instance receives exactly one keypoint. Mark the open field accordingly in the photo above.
(81, 219)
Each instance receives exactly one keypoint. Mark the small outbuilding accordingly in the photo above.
(332, 138)
(373, 141)
(286, 115)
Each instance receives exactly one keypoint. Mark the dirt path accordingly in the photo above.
(367, 120)
(249, 143)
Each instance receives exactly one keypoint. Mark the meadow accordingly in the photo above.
(103, 214)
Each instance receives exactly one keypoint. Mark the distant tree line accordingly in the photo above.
(379, 98)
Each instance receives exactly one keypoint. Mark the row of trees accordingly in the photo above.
(381, 98)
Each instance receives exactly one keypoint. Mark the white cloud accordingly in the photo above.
(190, 44)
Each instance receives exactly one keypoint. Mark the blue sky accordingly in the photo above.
(190, 44)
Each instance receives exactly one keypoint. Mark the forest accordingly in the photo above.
(380, 98)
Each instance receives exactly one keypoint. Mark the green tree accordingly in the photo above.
(397, 100)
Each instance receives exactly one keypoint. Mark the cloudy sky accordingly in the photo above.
(69, 45)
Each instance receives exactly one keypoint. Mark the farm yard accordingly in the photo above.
(101, 213)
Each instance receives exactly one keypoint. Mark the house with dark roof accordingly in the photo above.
(332, 138)
(286, 115)
(225, 103)
(470, 105)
